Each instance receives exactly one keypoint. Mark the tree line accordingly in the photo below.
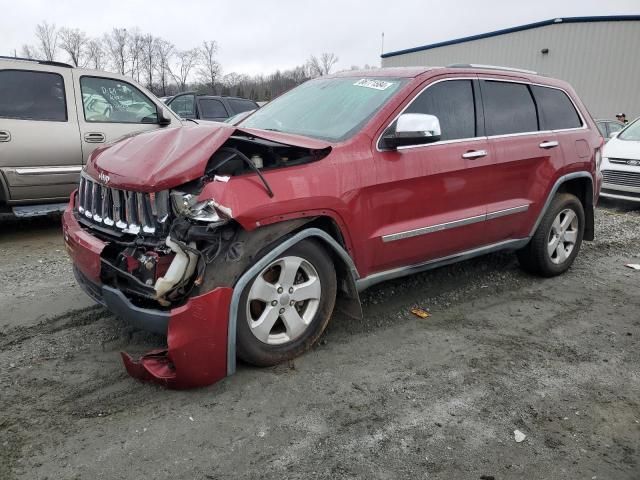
(164, 69)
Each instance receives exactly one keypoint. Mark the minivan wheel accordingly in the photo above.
(285, 308)
(556, 243)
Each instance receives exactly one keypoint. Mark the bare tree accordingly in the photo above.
(209, 67)
(135, 52)
(149, 57)
(28, 51)
(185, 61)
(47, 36)
(318, 67)
(116, 46)
(73, 42)
(95, 54)
(165, 53)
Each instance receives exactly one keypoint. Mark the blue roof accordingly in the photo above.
(602, 18)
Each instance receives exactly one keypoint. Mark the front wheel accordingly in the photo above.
(286, 307)
(556, 242)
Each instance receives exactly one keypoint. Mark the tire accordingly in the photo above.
(266, 336)
(562, 224)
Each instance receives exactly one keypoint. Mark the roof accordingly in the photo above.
(528, 26)
(393, 72)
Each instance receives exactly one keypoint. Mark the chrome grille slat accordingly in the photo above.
(615, 177)
(122, 210)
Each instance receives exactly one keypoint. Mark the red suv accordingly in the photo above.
(241, 240)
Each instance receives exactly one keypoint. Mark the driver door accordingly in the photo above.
(111, 108)
(428, 204)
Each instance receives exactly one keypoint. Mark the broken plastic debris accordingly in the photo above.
(418, 312)
(221, 178)
(519, 436)
(191, 418)
(635, 266)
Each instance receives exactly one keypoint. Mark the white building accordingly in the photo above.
(599, 56)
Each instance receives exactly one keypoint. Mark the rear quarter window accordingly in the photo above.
(28, 95)
(508, 108)
(238, 105)
(556, 109)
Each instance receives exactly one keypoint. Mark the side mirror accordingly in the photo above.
(163, 118)
(413, 129)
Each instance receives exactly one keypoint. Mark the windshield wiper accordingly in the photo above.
(192, 120)
(272, 129)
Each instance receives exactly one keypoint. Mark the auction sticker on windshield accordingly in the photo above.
(375, 84)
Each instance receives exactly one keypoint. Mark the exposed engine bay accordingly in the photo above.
(162, 269)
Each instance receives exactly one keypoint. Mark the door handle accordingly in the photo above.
(94, 137)
(549, 144)
(473, 154)
(5, 136)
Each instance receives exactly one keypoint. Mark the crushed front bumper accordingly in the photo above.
(196, 353)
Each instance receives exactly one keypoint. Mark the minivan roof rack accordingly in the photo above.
(41, 62)
(490, 67)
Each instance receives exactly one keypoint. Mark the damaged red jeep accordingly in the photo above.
(241, 240)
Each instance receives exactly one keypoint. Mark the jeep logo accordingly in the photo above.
(103, 177)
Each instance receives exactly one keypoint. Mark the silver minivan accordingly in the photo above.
(52, 116)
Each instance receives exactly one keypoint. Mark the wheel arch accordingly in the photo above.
(579, 184)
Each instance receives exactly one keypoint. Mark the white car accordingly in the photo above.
(621, 164)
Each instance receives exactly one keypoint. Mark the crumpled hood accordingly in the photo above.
(168, 157)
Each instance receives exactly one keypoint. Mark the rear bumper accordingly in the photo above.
(196, 352)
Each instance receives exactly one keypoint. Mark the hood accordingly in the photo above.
(626, 149)
(165, 158)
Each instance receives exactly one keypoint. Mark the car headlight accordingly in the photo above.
(188, 206)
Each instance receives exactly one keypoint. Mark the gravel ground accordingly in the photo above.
(393, 396)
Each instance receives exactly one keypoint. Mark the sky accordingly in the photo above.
(261, 36)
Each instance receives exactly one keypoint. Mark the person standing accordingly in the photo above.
(621, 117)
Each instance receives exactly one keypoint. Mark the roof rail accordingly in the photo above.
(491, 67)
(41, 62)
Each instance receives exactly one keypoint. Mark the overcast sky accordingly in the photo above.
(260, 36)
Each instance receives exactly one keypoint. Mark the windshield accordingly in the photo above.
(325, 108)
(632, 132)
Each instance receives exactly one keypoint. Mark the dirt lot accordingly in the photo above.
(391, 397)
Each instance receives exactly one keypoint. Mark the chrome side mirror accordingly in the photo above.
(413, 129)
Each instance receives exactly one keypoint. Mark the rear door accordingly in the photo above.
(426, 204)
(110, 108)
(40, 155)
(525, 159)
(184, 105)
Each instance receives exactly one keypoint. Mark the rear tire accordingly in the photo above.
(556, 242)
(285, 308)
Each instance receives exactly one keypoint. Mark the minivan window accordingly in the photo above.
(452, 102)
(325, 108)
(556, 110)
(239, 105)
(212, 108)
(508, 108)
(28, 95)
(106, 100)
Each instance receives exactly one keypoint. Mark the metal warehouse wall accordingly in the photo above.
(600, 59)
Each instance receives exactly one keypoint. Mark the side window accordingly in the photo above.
(106, 100)
(28, 95)
(508, 108)
(212, 108)
(602, 126)
(184, 105)
(239, 105)
(556, 110)
(452, 102)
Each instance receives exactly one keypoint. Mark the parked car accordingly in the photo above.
(241, 240)
(52, 116)
(609, 127)
(209, 107)
(621, 164)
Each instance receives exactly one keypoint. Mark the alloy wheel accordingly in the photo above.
(562, 236)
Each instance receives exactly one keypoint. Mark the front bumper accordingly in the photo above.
(196, 352)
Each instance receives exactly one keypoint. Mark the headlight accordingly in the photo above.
(187, 205)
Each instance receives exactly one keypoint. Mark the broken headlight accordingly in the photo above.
(187, 205)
